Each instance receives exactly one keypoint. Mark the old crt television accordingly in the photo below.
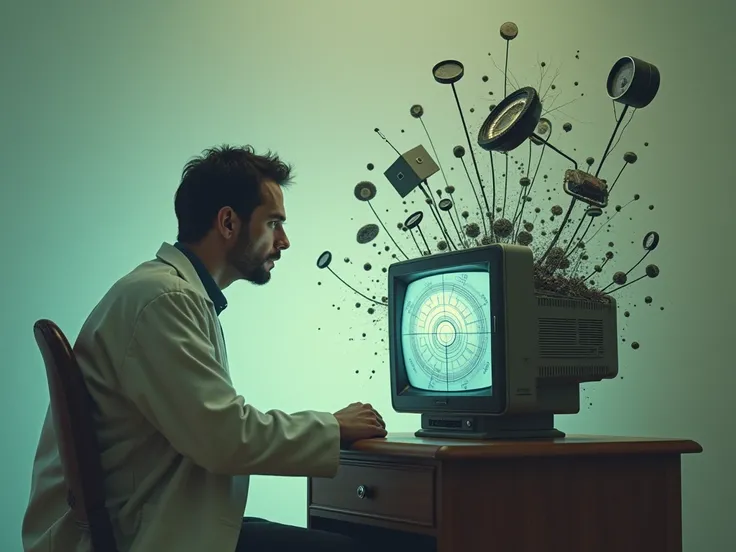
(480, 354)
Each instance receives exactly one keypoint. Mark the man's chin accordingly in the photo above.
(259, 277)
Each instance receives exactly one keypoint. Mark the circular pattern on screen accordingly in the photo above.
(449, 336)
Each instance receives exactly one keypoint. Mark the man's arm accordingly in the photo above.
(171, 374)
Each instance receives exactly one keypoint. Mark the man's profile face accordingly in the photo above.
(261, 241)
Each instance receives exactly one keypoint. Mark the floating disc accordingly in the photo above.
(414, 220)
(367, 233)
(445, 204)
(324, 260)
(543, 132)
(633, 82)
(512, 121)
(365, 191)
(651, 241)
(416, 111)
(509, 30)
(448, 72)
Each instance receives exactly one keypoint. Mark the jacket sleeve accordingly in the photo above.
(171, 374)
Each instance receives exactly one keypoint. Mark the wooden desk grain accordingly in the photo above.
(577, 494)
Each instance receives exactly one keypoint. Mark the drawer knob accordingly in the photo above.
(363, 491)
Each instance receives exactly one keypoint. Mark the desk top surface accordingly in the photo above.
(407, 445)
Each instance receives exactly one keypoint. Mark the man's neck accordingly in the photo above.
(213, 262)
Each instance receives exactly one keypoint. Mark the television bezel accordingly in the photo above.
(485, 258)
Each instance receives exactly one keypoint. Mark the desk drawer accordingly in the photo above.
(398, 493)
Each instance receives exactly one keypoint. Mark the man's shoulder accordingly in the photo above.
(142, 286)
(150, 280)
(105, 335)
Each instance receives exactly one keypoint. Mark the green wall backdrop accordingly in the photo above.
(103, 103)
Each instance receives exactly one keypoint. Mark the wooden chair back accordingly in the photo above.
(71, 408)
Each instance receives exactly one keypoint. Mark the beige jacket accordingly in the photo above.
(177, 441)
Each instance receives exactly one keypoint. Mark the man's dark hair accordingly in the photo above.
(224, 176)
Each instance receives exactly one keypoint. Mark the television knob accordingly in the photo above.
(362, 491)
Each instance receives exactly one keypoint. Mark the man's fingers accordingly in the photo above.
(373, 419)
(380, 420)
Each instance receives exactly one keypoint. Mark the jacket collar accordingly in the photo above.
(192, 270)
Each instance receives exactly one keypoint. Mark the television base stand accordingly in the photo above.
(520, 426)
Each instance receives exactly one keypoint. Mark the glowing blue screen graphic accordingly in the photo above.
(446, 332)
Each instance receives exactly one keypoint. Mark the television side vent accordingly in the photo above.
(568, 303)
(570, 338)
(573, 372)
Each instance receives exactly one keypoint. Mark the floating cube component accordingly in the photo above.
(411, 169)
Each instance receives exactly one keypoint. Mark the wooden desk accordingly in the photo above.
(577, 494)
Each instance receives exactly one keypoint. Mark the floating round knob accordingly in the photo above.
(362, 491)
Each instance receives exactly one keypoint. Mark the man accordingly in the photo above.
(177, 442)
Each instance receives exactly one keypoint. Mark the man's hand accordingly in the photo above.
(360, 421)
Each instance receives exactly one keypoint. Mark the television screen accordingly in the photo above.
(446, 332)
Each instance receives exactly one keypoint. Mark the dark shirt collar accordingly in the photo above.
(213, 290)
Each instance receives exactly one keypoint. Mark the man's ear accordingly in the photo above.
(226, 220)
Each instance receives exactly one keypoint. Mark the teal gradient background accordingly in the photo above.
(104, 102)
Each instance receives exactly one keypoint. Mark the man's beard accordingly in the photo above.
(247, 264)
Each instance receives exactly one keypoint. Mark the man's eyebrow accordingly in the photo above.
(278, 216)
